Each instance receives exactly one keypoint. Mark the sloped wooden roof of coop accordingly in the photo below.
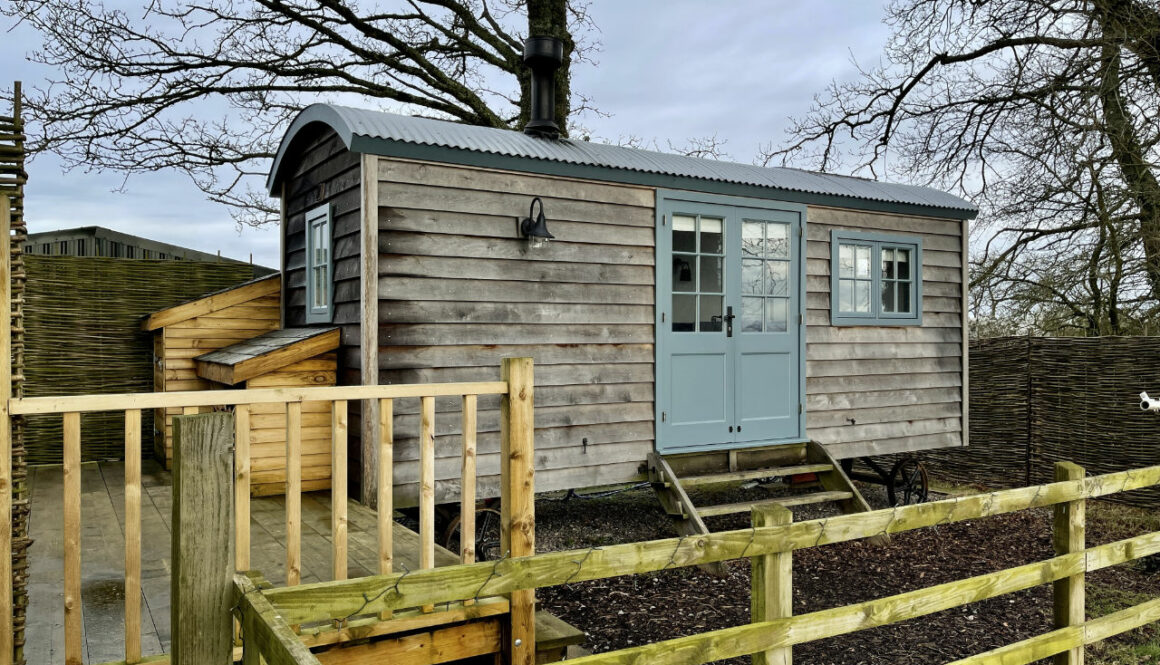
(266, 353)
(214, 302)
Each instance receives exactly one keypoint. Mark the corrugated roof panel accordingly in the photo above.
(378, 126)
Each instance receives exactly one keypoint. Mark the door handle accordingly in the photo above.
(729, 321)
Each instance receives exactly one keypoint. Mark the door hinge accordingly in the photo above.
(801, 231)
(664, 220)
(664, 416)
(801, 407)
(801, 319)
(662, 317)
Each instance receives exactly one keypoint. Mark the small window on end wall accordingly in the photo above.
(875, 279)
(319, 266)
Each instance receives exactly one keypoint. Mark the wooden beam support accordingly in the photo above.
(1068, 536)
(772, 585)
(203, 540)
(369, 319)
(427, 488)
(518, 498)
(385, 461)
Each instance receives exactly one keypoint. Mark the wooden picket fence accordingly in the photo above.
(769, 543)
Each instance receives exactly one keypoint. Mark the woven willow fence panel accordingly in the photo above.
(83, 320)
(1038, 400)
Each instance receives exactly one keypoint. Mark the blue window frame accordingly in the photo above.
(875, 279)
(319, 266)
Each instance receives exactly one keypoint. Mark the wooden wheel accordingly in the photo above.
(908, 483)
(487, 534)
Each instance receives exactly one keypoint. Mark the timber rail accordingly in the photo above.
(769, 543)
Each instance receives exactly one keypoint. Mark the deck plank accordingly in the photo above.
(102, 561)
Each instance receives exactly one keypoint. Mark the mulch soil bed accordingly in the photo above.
(629, 611)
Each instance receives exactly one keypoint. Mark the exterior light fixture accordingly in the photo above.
(534, 227)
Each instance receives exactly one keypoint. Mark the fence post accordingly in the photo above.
(203, 544)
(1069, 537)
(518, 498)
(772, 584)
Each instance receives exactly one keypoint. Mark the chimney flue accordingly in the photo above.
(543, 55)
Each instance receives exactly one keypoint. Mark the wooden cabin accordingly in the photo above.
(687, 308)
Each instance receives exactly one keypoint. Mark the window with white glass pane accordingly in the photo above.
(875, 279)
(698, 273)
(318, 265)
(765, 276)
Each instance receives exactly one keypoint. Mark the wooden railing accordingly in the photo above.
(770, 543)
(518, 538)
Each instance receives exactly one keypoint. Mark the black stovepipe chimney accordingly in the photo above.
(543, 55)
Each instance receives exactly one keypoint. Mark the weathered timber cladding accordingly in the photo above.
(325, 173)
(874, 390)
(459, 290)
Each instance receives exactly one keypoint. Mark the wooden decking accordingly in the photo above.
(102, 556)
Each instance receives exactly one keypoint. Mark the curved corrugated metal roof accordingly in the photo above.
(377, 132)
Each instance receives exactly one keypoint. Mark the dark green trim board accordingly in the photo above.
(876, 242)
(424, 139)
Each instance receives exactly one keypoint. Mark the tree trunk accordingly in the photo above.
(549, 18)
(1129, 154)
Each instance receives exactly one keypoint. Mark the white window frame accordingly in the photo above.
(319, 306)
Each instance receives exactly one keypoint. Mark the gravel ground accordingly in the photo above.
(623, 612)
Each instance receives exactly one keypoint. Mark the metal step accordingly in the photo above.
(754, 474)
(797, 500)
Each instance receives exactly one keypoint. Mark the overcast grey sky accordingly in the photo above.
(667, 71)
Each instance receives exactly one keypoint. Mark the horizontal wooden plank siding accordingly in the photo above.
(176, 345)
(459, 289)
(883, 389)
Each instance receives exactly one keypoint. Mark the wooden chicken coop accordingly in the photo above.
(230, 339)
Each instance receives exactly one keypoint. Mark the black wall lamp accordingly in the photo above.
(534, 227)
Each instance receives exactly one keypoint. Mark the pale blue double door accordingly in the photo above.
(730, 342)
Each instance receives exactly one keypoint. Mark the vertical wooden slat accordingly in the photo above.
(6, 627)
(385, 489)
(201, 584)
(132, 535)
(242, 487)
(386, 495)
(467, 485)
(467, 482)
(1069, 536)
(338, 528)
(293, 493)
(369, 314)
(427, 487)
(72, 539)
(772, 584)
(517, 503)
